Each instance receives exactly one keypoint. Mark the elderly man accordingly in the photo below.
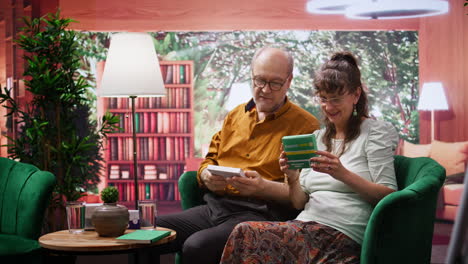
(250, 139)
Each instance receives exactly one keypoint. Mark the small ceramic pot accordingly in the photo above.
(110, 219)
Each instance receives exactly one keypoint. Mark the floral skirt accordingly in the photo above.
(289, 242)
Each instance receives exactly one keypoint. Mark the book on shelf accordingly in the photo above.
(150, 172)
(144, 236)
(114, 172)
(160, 122)
(176, 192)
(147, 191)
(162, 176)
(170, 193)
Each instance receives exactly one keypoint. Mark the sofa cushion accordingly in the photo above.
(416, 150)
(452, 156)
(448, 212)
(452, 193)
(13, 245)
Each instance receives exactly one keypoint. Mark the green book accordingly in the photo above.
(182, 74)
(299, 149)
(143, 236)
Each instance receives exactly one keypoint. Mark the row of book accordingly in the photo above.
(176, 97)
(176, 73)
(149, 148)
(147, 191)
(146, 171)
(159, 122)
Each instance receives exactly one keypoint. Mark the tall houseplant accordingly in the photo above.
(56, 132)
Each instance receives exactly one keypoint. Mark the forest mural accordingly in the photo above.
(388, 61)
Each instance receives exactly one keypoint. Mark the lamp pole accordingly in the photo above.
(135, 162)
(432, 124)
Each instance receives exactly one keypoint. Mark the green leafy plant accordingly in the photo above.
(109, 195)
(55, 131)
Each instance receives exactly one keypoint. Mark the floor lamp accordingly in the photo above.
(432, 98)
(131, 70)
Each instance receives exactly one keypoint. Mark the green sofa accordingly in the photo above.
(24, 196)
(401, 226)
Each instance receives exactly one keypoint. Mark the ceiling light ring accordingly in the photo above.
(379, 9)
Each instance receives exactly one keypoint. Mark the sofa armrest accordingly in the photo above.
(400, 227)
(191, 194)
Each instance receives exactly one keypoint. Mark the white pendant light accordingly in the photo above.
(396, 9)
(379, 9)
(329, 6)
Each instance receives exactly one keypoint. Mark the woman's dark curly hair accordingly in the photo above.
(341, 75)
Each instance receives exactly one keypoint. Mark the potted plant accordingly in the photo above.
(110, 219)
(56, 128)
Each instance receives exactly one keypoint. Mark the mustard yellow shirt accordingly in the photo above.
(249, 144)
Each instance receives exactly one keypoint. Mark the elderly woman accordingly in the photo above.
(353, 172)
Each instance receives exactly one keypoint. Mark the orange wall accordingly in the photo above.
(443, 52)
(209, 15)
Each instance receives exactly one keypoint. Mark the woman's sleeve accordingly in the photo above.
(302, 179)
(380, 149)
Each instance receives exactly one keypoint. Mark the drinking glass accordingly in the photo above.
(75, 217)
(134, 219)
(147, 212)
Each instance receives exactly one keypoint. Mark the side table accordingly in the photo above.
(63, 243)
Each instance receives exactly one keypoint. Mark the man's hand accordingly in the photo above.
(251, 185)
(214, 183)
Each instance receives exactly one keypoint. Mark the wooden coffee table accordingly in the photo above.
(90, 243)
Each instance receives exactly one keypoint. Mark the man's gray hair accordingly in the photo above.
(282, 49)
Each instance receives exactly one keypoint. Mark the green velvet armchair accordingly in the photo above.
(24, 196)
(401, 226)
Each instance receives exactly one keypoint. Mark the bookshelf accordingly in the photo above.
(164, 129)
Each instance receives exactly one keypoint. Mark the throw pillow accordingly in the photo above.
(416, 150)
(452, 156)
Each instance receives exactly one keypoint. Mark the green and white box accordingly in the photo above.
(299, 149)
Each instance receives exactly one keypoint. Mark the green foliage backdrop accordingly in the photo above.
(388, 60)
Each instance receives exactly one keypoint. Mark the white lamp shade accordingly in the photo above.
(132, 67)
(432, 97)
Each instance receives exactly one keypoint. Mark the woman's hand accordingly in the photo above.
(293, 175)
(330, 164)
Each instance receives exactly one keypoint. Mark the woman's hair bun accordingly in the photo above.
(344, 56)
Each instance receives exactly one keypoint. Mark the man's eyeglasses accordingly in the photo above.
(274, 85)
(335, 101)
